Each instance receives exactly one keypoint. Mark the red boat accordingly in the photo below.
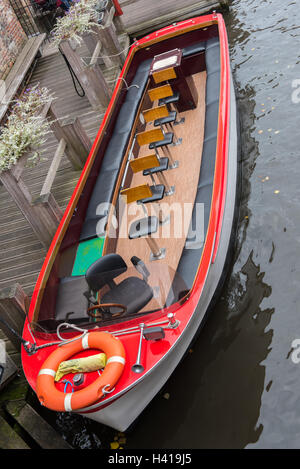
(141, 250)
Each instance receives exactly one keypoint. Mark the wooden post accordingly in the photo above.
(118, 12)
(78, 144)
(49, 214)
(90, 41)
(54, 167)
(118, 22)
(108, 37)
(96, 53)
(43, 217)
(105, 58)
(90, 77)
(13, 306)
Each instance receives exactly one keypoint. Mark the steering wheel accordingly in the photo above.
(99, 314)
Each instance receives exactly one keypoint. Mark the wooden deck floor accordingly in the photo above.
(172, 235)
(21, 253)
(142, 16)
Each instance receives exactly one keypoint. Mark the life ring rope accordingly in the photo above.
(51, 397)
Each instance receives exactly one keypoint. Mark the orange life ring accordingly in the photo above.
(54, 399)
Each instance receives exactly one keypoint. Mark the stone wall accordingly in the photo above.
(12, 38)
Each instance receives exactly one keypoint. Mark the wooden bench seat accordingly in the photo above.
(19, 70)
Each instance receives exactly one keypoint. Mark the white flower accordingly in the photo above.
(78, 20)
(24, 129)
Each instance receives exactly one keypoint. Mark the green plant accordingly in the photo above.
(78, 20)
(24, 130)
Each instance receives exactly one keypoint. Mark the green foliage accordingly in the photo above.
(78, 20)
(25, 130)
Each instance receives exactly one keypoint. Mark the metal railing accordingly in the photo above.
(37, 16)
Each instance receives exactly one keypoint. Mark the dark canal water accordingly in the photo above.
(239, 388)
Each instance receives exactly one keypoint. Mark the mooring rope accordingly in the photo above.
(73, 75)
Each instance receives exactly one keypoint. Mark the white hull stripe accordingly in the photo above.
(117, 359)
(68, 407)
(47, 371)
(85, 341)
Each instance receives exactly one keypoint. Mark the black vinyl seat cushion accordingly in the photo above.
(99, 205)
(143, 227)
(169, 99)
(197, 48)
(133, 292)
(70, 299)
(191, 254)
(164, 164)
(169, 136)
(104, 270)
(158, 193)
(105, 184)
(166, 120)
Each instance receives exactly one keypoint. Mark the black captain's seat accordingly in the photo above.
(127, 297)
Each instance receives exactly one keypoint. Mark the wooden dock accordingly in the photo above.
(21, 254)
(143, 16)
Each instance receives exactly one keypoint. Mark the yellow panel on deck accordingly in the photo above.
(164, 75)
(149, 136)
(155, 113)
(133, 194)
(145, 162)
(160, 92)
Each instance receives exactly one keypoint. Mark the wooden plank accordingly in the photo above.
(142, 16)
(172, 235)
(144, 162)
(54, 167)
(155, 113)
(149, 136)
(43, 218)
(9, 368)
(42, 433)
(91, 43)
(9, 439)
(108, 36)
(19, 70)
(13, 305)
(164, 75)
(136, 193)
(160, 92)
(71, 131)
(18, 63)
(96, 53)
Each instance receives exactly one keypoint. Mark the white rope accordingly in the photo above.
(62, 341)
(114, 55)
(71, 326)
(121, 78)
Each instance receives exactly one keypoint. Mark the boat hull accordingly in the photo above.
(121, 413)
(203, 269)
